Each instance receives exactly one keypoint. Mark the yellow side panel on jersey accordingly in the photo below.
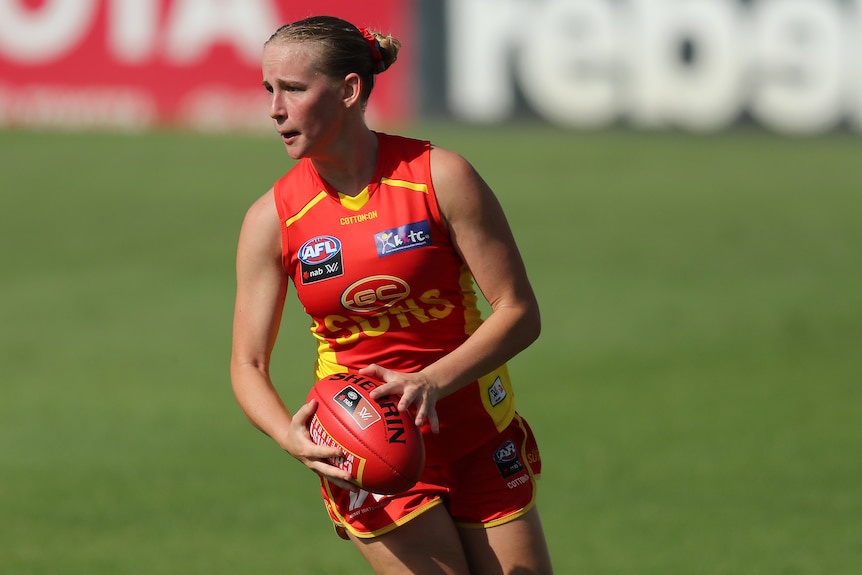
(327, 363)
(472, 315)
(498, 396)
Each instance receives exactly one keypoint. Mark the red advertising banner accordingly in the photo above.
(135, 64)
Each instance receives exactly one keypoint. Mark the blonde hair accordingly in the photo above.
(344, 48)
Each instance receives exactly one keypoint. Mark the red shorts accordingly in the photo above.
(493, 484)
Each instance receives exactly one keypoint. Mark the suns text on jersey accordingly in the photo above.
(429, 306)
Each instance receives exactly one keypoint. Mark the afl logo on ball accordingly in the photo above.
(320, 258)
(359, 408)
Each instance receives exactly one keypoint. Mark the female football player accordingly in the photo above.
(383, 238)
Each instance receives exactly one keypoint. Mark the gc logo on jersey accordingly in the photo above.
(374, 293)
(402, 238)
(320, 258)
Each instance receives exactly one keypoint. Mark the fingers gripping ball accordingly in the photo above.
(384, 449)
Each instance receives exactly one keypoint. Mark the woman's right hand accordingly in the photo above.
(315, 457)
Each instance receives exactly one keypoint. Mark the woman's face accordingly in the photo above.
(306, 106)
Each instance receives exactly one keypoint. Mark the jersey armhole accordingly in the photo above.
(282, 225)
(433, 204)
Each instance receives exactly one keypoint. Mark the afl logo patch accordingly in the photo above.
(320, 259)
(507, 460)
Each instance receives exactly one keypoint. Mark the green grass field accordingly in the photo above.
(696, 389)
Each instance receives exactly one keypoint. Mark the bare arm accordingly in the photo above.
(261, 289)
(482, 235)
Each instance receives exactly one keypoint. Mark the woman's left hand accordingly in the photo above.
(415, 390)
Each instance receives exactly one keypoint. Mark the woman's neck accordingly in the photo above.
(350, 169)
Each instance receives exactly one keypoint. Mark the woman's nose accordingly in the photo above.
(276, 108)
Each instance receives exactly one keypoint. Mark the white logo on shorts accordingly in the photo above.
(357, 498)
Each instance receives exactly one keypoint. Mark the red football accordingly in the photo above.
(384, 450)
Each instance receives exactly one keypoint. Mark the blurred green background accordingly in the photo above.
(696, 389)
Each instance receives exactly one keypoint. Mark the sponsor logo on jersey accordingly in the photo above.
(374, 293)
(359, 218)
(403, 238)
(320, 259)
(376, 298)
(497, 392)
(359, 408)
(507, 460)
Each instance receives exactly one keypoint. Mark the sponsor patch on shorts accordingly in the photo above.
(507, 459)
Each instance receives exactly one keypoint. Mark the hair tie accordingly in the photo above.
(374, 47)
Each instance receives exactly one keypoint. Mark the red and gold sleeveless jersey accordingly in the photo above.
(382, 282)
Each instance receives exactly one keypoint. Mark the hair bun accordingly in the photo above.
(384, 49)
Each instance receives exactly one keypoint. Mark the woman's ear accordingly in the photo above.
(352, 95)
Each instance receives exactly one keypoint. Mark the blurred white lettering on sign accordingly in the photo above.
(134, 30)
(133, 64)
(794, 66)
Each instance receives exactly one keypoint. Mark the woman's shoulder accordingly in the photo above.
(450, 167)
(401, 147)
(262, 209)
(396, 140)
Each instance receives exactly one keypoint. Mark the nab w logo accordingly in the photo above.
(359, 408)
(320, 259)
